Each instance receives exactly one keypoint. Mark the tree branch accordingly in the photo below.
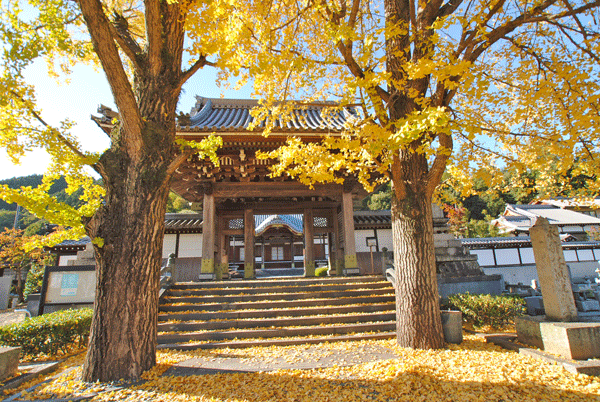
(534, 15)
(439, 163)
(120, 31)
(104, 45)
(154, 27)
(57, 133)
(200, 63)
(448, 8)
(178, 160)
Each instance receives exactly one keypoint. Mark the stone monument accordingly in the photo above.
(553, 272)
(558, 332)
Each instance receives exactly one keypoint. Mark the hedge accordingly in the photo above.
(49, 333)
(321, 271)
(488, 310)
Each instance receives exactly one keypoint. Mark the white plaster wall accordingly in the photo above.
(570, 255)
(484, 257)
(384, 237)
(585, 255)
(527, 255)
(168, 245)
(64, 259)
(525, 273)
(190, 245)
(514, 274)
(580, 270)
(360, 237)
(507, 256)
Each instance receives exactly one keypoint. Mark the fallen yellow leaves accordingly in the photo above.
(472, 371)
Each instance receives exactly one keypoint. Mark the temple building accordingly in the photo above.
(251, 218)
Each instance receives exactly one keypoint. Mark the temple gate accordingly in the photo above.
(232, 194)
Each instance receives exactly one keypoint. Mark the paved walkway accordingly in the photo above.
(309, 357)
(9, 316)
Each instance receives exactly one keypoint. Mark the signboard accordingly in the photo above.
(371, 242)
(68, 285)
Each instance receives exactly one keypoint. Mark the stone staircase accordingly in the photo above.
(275, 312)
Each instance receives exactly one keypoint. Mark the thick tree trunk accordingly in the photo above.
(418, 319)
(131, 224)
(124, 327)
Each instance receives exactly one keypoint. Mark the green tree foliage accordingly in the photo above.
(379, 200)
(176, 203)
(15, 255)
(7, 219)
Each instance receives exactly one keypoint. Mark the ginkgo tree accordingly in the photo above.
(147, 50)
(464, 86)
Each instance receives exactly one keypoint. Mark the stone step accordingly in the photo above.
(276, 322)
(276, 342)
(278, 296)
(277, 289)
(286, 332)
(212, 306)
(276, 282)
(283, 312)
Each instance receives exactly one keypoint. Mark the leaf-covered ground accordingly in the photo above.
(472, 371)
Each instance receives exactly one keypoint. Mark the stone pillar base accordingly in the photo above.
(351, 271)
(207, 277)
(572, 340)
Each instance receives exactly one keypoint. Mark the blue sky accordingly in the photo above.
(80, 98)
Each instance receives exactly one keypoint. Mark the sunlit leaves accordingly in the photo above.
(472, 371)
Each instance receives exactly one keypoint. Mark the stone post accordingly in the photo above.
(553, 272)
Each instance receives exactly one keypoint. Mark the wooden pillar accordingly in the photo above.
(207, 269)
(335, 263)
(293, 251)
(262, 252)
(249, 244)
(221, 254)
(309, 243)
(350, 261)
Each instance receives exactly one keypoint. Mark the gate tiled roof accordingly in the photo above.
(227, 115)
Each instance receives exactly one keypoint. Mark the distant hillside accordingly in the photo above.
(33, 181)
(27, 221)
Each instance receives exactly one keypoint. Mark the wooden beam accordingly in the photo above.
(276, 189)
(288, 206)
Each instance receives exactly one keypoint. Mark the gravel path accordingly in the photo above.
(9, 317)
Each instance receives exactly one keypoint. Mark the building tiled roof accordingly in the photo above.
(518, 241)
(230, 115)
(570, 203)
(372, 219)
(183, 222)
(555, 216)
(292, 222)
(81, 242)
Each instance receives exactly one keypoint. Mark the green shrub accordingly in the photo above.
(49, 333)
(488, 310)
(322, 271)
(35, 277)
